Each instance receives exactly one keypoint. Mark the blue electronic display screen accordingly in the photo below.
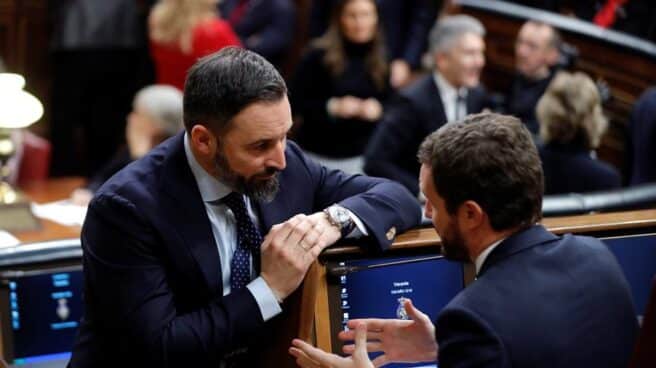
(637, 257)
(45, 310)
(377, 292)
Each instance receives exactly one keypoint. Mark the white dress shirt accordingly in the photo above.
(449, 95)
(224, 228)
(484, 254)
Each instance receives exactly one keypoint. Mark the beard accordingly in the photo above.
(453, 244)
(262, 186)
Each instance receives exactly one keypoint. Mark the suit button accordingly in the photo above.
(391, 233)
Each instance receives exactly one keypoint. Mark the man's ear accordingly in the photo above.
(203, 141)
(471, 215)
(441, 60)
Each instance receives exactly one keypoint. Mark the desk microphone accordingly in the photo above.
(345, 270)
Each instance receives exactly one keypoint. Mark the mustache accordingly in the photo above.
(267, 172)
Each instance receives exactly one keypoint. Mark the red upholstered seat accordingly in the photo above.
(35, 159)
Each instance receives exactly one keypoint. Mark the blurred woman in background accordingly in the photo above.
(181, 32)
(571, 126)
(340, 86)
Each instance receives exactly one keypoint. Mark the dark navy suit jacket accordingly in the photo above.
(569, 168)
(541, 301)
(153, 289)
(642, 139)
(392, 149)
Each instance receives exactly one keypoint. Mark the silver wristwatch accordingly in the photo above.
(341, 218)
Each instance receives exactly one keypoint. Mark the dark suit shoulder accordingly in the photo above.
(559, 303)
(479, 97)
(562, 163)
(131, 199)
(423, 100)
(418, 90)
(465, 339)
(139, 174)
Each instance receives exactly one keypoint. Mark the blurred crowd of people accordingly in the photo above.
(360, 93)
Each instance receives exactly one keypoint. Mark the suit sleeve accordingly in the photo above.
(386, 208)
(422, 17)
(398, 130)
(127, 283)
(465, 341)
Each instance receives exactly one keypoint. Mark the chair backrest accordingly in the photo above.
(35, 160)
(644, 354)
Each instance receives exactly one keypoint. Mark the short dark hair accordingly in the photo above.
(556, 40)
(222, 84)
(489, 159)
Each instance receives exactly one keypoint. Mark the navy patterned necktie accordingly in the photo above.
(249, 240)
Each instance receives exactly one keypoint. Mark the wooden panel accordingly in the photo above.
(310, 293)
(586, 224)
(427, 237)
(601, 222)
(24, 47)
(33, 54)
(7, 32)
(300, 38)
(322, 313)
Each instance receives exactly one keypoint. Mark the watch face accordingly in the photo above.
(341, 215)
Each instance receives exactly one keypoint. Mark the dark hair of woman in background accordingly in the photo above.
(340, 86)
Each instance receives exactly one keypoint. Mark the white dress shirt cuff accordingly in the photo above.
(265, 298)
(360, 230)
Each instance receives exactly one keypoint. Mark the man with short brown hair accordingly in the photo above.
(539, 300)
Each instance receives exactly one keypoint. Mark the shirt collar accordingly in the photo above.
(447, 91)
(484, 254)
(211, 189)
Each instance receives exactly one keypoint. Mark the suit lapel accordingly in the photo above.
(187, 209)
(517, 242)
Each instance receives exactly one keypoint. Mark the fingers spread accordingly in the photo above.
(315, 354)
(372, 347)
(302, 359)
(373, 324)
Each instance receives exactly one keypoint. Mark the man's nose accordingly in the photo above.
(277, 158)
